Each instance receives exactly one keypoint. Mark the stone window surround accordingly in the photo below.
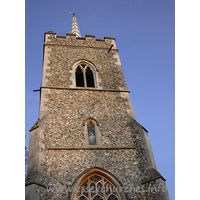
(88, 64)
(97, 132)
(84, 69)
(103, 181)
(101, 172)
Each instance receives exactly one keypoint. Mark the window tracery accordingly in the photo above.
(97, 187)
(84, 76)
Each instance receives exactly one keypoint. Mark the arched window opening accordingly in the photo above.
(97, 187)
(79, 77)
(91, 134)
(85, 75)
(89, 77)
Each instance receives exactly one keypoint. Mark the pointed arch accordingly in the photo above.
(97, 177)
(85, 61)
(90, 118)
(91, 132)
(90, 74)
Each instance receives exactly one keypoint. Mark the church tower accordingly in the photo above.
(87, 144)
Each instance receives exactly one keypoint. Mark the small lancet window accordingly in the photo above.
(89, 77)
(91, 134)
(79, 77)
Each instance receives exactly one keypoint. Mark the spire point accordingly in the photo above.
(74, 26)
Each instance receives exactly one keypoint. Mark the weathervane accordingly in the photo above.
(73, 12)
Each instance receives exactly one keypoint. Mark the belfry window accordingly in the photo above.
(84, 76)
(91, 134)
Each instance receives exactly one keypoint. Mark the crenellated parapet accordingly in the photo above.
(87, 41)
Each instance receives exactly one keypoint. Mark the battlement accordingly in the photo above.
(71, 39)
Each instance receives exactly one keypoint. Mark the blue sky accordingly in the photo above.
(144, 32)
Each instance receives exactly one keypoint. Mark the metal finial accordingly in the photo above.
(73, 12)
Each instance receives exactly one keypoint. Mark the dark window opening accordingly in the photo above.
(79, 77)
(89, 78)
